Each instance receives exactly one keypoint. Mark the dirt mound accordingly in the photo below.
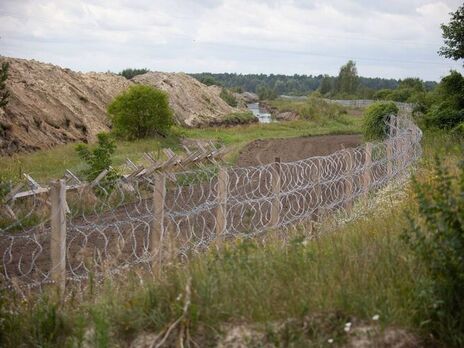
(49, 105)
(194, 104)
(294, 149)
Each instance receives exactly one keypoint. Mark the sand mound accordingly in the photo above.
(194, 104)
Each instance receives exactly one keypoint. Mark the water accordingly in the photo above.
(262, 115)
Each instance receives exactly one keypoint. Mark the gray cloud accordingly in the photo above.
(387, 38)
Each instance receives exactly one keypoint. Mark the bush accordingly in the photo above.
(130, 73)
(239, 118)
(140, 112)
(443, 115)
(99, 158)
(376, 118)
(228, 97)
(436, 236)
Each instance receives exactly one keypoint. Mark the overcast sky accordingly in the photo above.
(395, 38)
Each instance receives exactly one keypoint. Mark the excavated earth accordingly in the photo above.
(265, 151)
(50, 105)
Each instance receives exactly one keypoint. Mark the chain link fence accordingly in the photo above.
(68, 232)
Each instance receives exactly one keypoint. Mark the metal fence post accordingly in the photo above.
(221, 210)
(58, 233)
(276, 187)
(157, 235)
(367, 170)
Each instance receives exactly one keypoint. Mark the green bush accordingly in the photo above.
(444, 115)
(376, 118)
(228, 97)
(236, 118)
(140, 112)
(99, 158)
(130, 73)
(436, 236)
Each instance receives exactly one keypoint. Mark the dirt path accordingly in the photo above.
(293, 149)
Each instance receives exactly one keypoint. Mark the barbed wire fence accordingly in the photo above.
(72, 230)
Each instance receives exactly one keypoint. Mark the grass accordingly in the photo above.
(313, 108)
(50, 164)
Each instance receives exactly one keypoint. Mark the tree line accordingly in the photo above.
(347, 84)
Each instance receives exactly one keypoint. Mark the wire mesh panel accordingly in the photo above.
(144, 219)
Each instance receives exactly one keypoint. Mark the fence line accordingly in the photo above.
(61, 234)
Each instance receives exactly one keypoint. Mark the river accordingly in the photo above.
(262, 115)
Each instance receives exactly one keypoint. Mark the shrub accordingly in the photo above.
(376, 118)
(98, 159)
(436, 236)
(139, 112)
(239, 118)
(4, 93)
(444, 115)
(228, 97)
(130, 73)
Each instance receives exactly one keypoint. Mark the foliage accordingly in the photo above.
(4, 93)
(139, 112)
(326, 86)
(228, 97)
(265, 93)
(130, 73)
(446, 108)
(287, 84)
(453, 34)
(347, 81)
(239, 118)
(99, 158)
(376, 120)
(208, 80)
(313, 108)
(436, 235)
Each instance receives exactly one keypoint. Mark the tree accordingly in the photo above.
(4, 93)
(453, 34)
(99, 158)
(139, 112)
(130, 73)
(326, 85)
(348, 80)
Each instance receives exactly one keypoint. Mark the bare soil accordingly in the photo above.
(294, 149)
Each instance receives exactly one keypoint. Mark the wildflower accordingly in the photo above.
(347, 326)
(330, 340)
(376, 317)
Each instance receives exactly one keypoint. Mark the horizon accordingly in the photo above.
(388, 39)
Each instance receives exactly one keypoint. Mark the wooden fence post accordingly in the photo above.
(276, 187)
(367, 170)
(58, 233)
(349, 183)
(221, 210)
(390, 147)
(157, 235)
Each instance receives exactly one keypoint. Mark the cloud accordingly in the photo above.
(387, 38)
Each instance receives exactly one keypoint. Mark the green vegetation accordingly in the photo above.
(139, 112)
(347, 82)
(228, 97)
(314, 108)
(436, 235)
(130, 73)
(290, 84)
(99, 158)
(453, 33)
(410, 90)
(4, 93)
(236, 118)
(376, 120)
(266, 93)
